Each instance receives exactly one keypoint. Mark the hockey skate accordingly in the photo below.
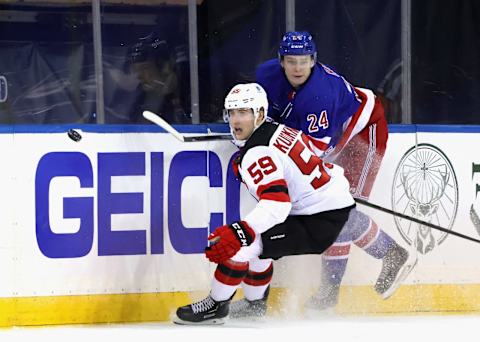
(245, 308)
(325, 298)
(205, 312)
(397, 265)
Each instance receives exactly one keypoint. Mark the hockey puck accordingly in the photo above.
(74, 135)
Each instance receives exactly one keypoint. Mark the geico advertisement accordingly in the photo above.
(112, 212)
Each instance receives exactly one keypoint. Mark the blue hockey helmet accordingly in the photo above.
(297, 43)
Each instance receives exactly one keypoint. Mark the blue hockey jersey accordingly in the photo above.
(327, 108)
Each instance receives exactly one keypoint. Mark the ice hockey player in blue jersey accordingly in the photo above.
(312, 97)
(346, 125)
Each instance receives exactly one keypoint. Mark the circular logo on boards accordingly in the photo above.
(425, 187)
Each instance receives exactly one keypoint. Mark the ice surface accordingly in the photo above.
(332, 329)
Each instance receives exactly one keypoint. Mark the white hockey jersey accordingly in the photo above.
(287, 178)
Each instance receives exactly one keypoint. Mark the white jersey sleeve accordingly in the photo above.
(263, 172)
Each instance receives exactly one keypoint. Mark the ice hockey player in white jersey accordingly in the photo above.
(303, 203)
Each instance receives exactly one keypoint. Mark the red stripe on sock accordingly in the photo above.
(368, 238)
(224, 279)
(231, 272)
(335, 251)
(259, 278)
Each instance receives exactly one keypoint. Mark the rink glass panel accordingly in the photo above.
(48, 72)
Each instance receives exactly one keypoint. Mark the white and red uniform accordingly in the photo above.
(303, 204)
(290, 184)
(313, 186)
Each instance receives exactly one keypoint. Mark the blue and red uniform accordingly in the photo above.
(345, 124)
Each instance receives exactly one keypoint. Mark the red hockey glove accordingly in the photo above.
(227, 240)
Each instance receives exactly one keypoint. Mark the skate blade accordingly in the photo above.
(252, 318)
(213, 321)
(401, 275)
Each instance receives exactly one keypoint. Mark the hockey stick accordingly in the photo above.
(413, 219)
(156, 119)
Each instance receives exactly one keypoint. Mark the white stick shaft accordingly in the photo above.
(162, 123)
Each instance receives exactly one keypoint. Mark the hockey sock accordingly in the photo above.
(333, 270)
(228, 275)
(375, 241)
(256, 282)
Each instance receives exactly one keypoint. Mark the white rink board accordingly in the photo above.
(453, 260)
(27, 271)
